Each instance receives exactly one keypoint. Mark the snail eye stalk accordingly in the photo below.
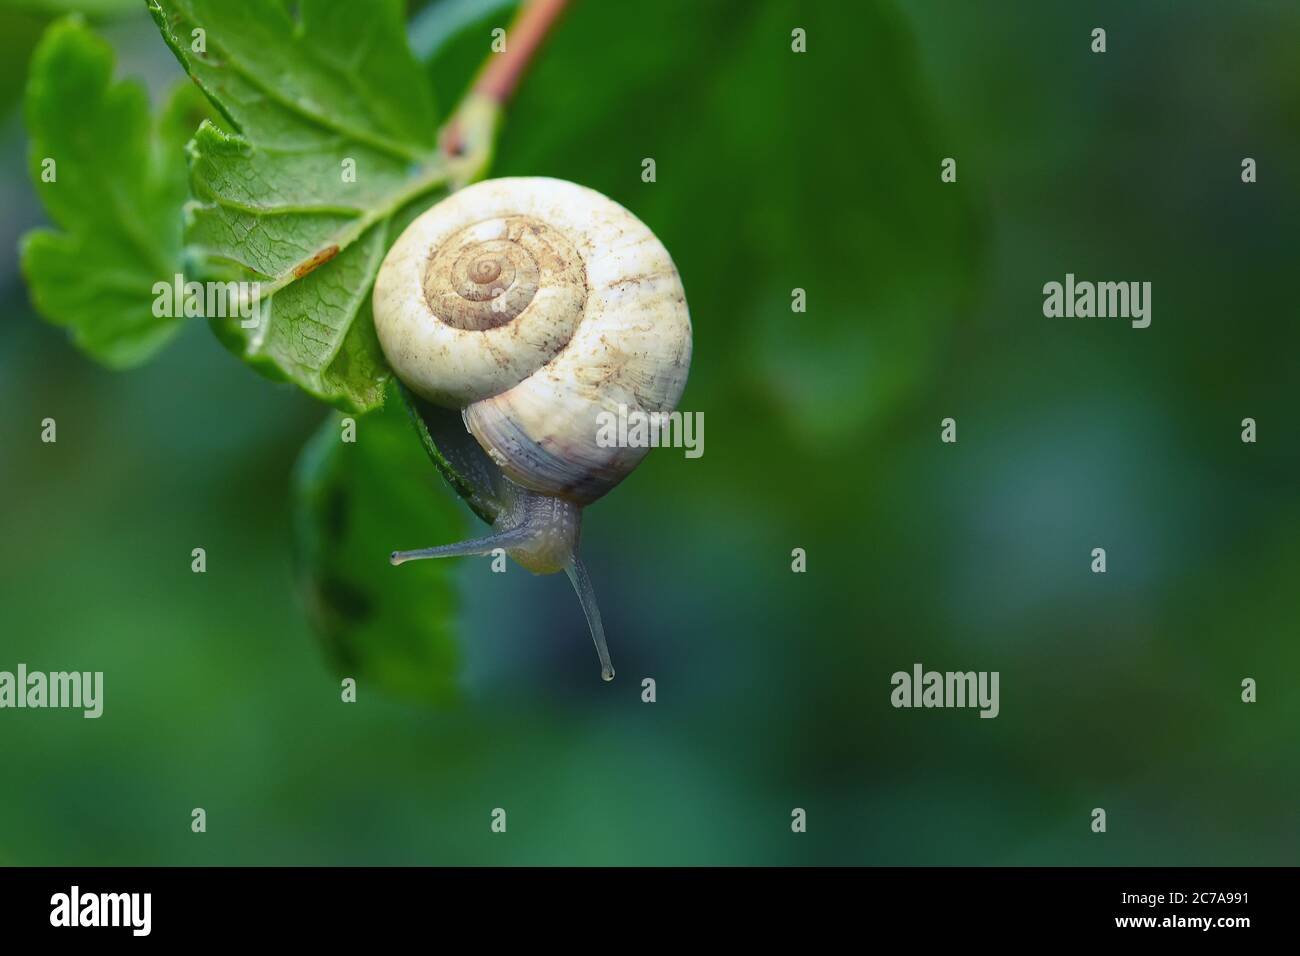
(463, 549)
(577, 572)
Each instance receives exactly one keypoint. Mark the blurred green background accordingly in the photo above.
(775, 171)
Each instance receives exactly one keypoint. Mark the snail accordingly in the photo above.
(532, 306)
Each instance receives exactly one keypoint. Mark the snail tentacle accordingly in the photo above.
(464, 549)
(577, 572)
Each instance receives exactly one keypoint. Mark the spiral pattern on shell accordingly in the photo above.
(487, 274)
(534, 305)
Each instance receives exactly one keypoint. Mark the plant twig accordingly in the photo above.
(499, 77)
(501, 72)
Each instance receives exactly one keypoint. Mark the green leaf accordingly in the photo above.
(118, 189)
(388, 627)
(100, 9)
(304, 98)
(458, 456)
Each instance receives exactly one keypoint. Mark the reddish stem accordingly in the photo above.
(501, 72)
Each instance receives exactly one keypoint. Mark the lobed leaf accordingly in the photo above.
(327, 133)
(354, 503)
(118, 187)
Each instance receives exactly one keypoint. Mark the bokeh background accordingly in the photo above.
(775, 171)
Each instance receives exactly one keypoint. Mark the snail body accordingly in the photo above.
(533, 306)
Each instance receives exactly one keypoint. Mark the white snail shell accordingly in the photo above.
(533, 305)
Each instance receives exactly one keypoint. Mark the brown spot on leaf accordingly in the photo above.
(316, 261)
